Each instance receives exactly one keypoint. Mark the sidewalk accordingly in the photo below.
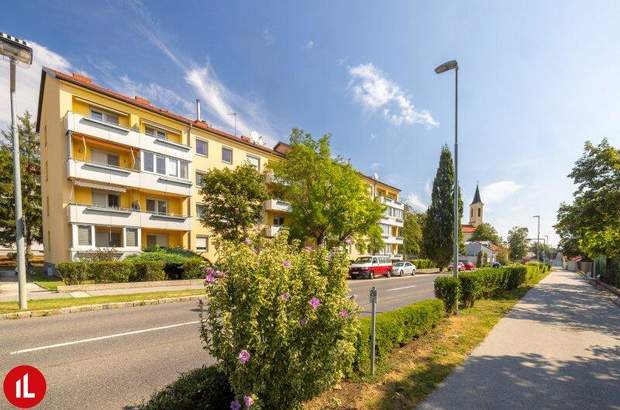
(559, 348)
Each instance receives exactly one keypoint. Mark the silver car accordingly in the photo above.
(403, 268)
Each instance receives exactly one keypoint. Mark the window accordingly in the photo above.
(104, 199)
(102, 157)
(227, 155)
(199, 181)
(114, 201)
(131, 237)
(160, 240)
(160, 162)
(104, 116)
(200, 210)
(148, 161)
(157, 206)
(471, 213)
(385, 229)
(108, 237)
(47, 201)
(479, 212)
(173, 167)
(84, 235)
(46, 171)
(202, 147)
(202, 243)
(278, 220)
(184, 170)
(254, 161)
(155, 133)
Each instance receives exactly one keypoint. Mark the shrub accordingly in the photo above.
(280, 321)
(73, 273)
(205, 388)
(470, 288)
(147, 271)
(395, 328)
(193, 269)
(447, 289)
(423, 263)
(176, 256)
(110, 271)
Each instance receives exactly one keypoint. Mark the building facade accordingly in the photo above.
(120, 174)
(476, 215)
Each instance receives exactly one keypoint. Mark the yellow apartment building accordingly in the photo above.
(119, 173)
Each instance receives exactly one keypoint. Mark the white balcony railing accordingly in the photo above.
(125, 136)
(277, 205)
(397, 240)
(392, 202)
(271, 230)
(127, 177)
(95, 215)
(389, 220)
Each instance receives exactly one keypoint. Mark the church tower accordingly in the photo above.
(476, 209)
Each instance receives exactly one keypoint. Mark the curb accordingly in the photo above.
(614, 294)
(89, 308)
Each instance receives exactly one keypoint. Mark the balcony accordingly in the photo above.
(127, 177)
(392, 221)
(393, 240)
(95, 215)
(125, 136)
(271, 230)
(277, 205)
(392, 202)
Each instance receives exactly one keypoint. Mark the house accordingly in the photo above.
(473, 248)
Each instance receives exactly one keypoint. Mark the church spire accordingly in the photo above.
(477, 199)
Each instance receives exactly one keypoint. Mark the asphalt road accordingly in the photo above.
(115, 358)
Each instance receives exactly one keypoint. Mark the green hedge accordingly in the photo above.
(394, 329)
(147, 271)
(204, 388)
(193, 269)
(73, 273)
(110, 271)
(447, 289)
(423, 263)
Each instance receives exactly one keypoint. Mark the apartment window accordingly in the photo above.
(47, 208)
(202, 147)
(108, 237)
(45, 137)
(104, 199)
(184, 170)
(104, 116)
(131, 237)
(155, 133)
(254, 161)
(173, 167)
(160, 240)
(278, 220)
(227, 155)
(199, 180)
(157, 206)
(200, 210)
(84, 235)
(202, 243)
(385, 229)
(46, 171)
(102, 157)
(160, 164)
(148, 161)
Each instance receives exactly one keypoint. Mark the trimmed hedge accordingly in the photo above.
(110, 271)
(193, 269)
(423, 263)
(148, 271)
(73, 273)
(447, 289)
(204, 388)
(394, 329)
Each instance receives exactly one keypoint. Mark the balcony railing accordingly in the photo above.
(271, 230)
(114, 216)
(277, 205)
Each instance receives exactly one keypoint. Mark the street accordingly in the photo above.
(116, 358)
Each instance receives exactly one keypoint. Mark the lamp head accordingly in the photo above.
(450, 65)
(16, 49)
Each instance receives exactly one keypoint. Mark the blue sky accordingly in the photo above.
(537, 79)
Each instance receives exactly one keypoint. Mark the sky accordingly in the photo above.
(536, 80)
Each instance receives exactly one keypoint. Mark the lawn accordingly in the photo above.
(413, 371)
(45, 304)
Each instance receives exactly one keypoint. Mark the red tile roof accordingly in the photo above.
(468, 228)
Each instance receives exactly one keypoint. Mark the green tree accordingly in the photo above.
(30, 162)
(329, 199)
(591, 224)
(233, 200)
(486, 232)
(502, 255)
(413, 240)
(517, 242)
(438, 227)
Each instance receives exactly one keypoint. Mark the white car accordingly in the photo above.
(403, 268)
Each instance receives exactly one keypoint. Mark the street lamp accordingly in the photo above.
(537, 238)
(17, 51)
(453, 65)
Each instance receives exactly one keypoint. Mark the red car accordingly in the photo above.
(460, 266)
(469, 266)
(370, 267)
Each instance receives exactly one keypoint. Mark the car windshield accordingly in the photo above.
(399, 263)
(364, 259)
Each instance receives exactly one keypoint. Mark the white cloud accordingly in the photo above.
(310, 44)
(415, 202)
(28, 80)
(428, 187)
(498, 191)
(373, 136)
(376, 92)
(158, 95)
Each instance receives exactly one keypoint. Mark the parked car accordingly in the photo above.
(460, 266)
(370, 267)
(497, 265)
(403, 268)
(469, 266)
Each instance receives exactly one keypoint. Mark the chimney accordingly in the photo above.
(198, 110)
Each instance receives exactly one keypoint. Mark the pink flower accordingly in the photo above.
(309, 248)
(244, 356)
(286, 263)
(285, 296)
(315, 303)
(344, 313)
(234, 405)
(209, 278)
(303, 321)
(209, 270)
(247, 241)
(248, 401)
(348, 241)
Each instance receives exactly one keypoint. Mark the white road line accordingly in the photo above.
(95, 339)
(401, 288)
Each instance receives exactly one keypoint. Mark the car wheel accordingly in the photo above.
(389, 274)
(372, 275)
(400, 273)
(413, 272)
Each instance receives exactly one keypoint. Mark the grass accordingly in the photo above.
(414, 370)
(38, 276)
(45, 304)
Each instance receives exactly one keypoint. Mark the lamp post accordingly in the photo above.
(17, 51)
(537, 238)
(453, 65)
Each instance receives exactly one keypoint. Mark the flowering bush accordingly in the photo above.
(279, 320)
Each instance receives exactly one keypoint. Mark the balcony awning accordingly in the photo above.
(103, 187)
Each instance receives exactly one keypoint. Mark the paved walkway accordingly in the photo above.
(559, 348)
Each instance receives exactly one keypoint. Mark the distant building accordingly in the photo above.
(476, 213)
(473, 248)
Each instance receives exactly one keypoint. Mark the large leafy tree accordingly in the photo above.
(486, 232)
(30, 161)
(413, 240)
(591, 224)
(517, 242)
(438, 227)
(233, 200)
(329, 199)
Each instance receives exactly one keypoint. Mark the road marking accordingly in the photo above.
(401, 288)
(96, 339)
